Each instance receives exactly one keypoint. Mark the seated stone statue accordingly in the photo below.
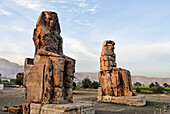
(49, 76)
(114, 81)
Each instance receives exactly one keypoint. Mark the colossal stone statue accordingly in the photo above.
(49, 76)
(114, 81)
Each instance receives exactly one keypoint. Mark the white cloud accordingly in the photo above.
(60, 1)
(92, 10)
(77, 46)
(83, 5)
(35, 5)
(85, 58)
(3, 12)
(18, 28)
(85, 22)
(143, 53)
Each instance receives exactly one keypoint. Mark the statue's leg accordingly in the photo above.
(130, 86)
(125, 77)
(68, 78)
(100, 89)
(58, 69)
(116, 82)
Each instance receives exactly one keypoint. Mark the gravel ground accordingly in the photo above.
(16, 96)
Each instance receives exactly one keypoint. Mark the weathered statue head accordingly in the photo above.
(46, 35)
(108, 47)
(50, 21)
(107, 59)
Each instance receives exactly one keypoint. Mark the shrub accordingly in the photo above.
(74, 85)
(94, 85)
(138, 89)
(166, 85)
(151, 85)
(156, 89)
(19, 79)
(157, 84)
(137, 84)
(0, 77)
(86, 83)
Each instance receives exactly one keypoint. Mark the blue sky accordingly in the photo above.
(140, 29)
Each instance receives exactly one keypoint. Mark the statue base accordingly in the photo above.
(72, 108)
(139, 100)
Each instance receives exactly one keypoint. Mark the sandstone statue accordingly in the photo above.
(49, 76)
(114, 81)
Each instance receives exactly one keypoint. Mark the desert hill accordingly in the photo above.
(9, 69)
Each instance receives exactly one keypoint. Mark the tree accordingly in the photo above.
(74, 85)
(86, 83)
(157, 89)
(19, 79)
(94, 85)
(151, 85)
(137, 84)
(166, 85)
(138, 90)
(157, 84)
(0, 77)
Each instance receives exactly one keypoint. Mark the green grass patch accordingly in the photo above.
(141, 87)
(7, 83)
(147, 88)
(143, 92)
(155, 104)
(80, 85)
(167, 88)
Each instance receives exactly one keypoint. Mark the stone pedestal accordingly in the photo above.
(129, 100)
(73, 108)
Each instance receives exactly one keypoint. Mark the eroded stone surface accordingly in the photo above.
(47, 33)
(114, 81)
(129, 100)
(49, 76)
(73, 108)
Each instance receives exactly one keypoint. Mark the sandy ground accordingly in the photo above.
(16, 96)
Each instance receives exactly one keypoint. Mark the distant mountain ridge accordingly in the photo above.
(147, 80)
(9, 69)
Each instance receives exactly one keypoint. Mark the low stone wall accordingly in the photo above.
(139, 100)
(1, 86)
(72, 108)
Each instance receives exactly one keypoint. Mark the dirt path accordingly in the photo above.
(12, 96)
(16, 96)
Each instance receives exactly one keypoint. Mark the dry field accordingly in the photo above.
(15, 96)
